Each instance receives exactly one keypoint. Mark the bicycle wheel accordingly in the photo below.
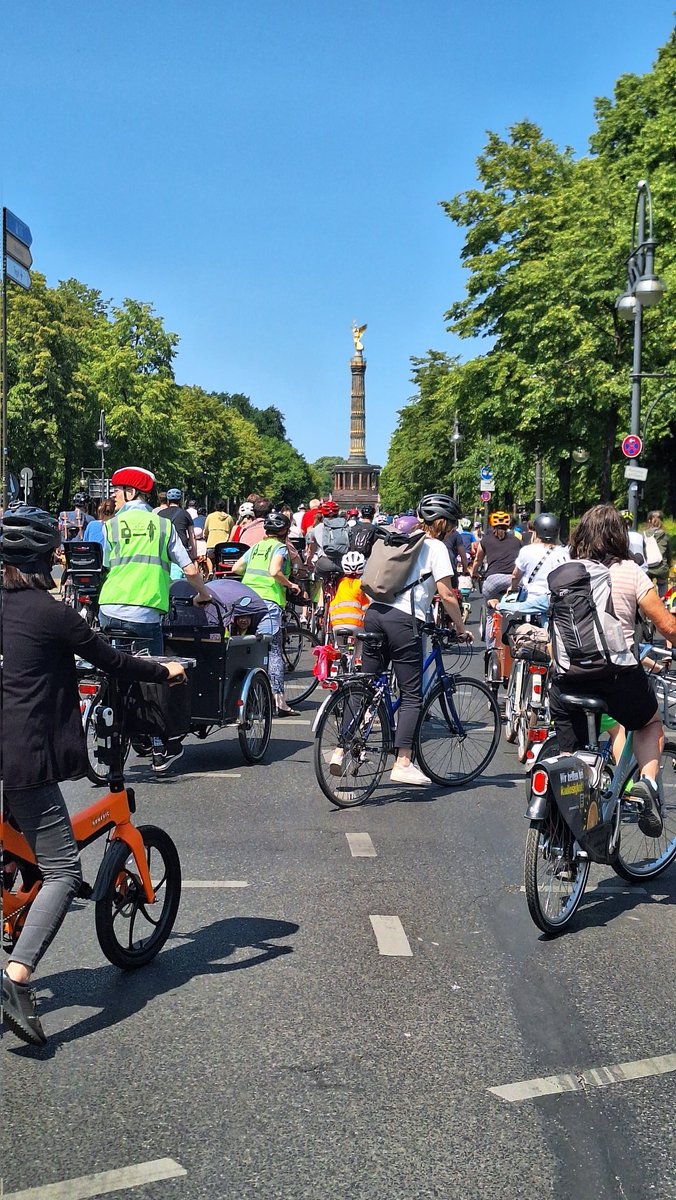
(256, 724)
(523, 728)
(291, 639)
(96, 771)
(511, 709)
(554, 879)
(131, 931)
(458, 734)
(357, 724)
(299, 682)
(640, 857)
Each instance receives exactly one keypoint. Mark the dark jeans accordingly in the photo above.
(146, 637)
(42, 817)
(404, 650)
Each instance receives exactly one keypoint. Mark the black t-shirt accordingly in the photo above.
(181, 520)
(501, 553)
(362, 537)
(454, 544)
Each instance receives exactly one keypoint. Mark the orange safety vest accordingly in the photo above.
(349, 605)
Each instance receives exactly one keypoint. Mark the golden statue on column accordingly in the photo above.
(357, 331)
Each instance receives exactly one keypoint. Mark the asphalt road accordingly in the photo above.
(272, 1051)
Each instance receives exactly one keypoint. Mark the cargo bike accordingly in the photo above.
(228, 685)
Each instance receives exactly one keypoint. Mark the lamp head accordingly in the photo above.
(626, 306)
(649, 290)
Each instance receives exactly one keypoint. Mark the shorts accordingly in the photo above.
(629, 698)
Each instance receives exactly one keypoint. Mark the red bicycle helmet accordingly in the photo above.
(134, 477)
(329, 508)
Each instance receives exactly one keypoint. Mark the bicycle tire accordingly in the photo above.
(550, 841)
(511, 717)
(523, 728)
(299, 682)
(256, 725)
(366, 753)
(124, 901)
(97, 773)
(291, 639)
(439, 745)
(659, 852)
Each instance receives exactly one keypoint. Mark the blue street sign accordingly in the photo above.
(486, 473)
(18, 228)
(18, 273)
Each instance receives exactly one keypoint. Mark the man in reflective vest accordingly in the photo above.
(139, 548)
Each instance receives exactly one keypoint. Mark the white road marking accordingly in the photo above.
(103, 1182)
(390, 937)
(361, 845)
(294, 721)
(609, 889)
(553, 1085)
(215, 883)
(209, 775)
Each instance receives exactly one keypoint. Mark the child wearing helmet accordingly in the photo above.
(346, 611)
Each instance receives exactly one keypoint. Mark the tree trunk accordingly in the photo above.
(605, 493)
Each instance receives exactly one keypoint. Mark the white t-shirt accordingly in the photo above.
(528, 559)
(434, 558)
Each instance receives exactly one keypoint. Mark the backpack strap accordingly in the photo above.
(536, 569)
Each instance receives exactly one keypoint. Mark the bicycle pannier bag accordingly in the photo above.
(336, 537)
(389, 566)
(587, 638)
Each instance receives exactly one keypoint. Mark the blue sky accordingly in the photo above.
(264, 172)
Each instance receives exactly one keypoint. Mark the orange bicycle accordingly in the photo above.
(138, 886)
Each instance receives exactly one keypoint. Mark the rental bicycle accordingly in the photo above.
(456, 737)
(138, 886)
(582, 810)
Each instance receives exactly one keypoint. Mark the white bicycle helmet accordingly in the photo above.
(353, 563)
(246, 509)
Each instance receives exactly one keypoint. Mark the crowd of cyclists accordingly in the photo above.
(432, 554)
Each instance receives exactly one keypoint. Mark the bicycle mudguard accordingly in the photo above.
(320, 710)
(106, 872)
(246, 688)
(132, 840)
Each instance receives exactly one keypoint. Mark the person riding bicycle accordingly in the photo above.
(328, 541)
(265, 568)
(362, 534)
(533, 565)
(139, 549)
(397, 624)
(43, 741)
(499, 548)
(346, 611)
(601, 536)
(74, 521)
(637, 544)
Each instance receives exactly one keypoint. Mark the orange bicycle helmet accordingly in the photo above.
(500, 520)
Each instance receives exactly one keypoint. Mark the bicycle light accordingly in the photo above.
(539, 783)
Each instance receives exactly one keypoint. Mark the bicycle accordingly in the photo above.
(298, 642)
(580, 811)
(526, 701)
(137, 889)
(456, 737)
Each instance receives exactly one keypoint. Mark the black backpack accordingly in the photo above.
(362, 537)
(587, 638)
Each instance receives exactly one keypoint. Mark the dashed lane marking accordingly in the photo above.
(554, 1085)
(607, 889)
(215, 883)
(209, 775)
(103, 1182)
(361, 845)
(390, 937)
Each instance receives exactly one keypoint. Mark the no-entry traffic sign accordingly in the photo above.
(632, 445)
(485, 496)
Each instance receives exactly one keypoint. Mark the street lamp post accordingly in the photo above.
(644, 289)
(102, 444)
(455, 439)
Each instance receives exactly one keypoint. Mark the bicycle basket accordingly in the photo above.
(158, 710)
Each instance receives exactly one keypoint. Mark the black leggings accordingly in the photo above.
(42, 817)
(403, 649)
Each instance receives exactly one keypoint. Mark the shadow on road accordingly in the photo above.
(122, 994)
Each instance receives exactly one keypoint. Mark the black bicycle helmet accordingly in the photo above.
(276, 524)
(27, 533)
(79, 499)
(547, 527)
(368, 511)
(437, 505)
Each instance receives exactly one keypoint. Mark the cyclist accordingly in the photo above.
(181, 520)
(43, 741)
(328, 540)
(601, 536)
(139, 549)
(397, 624)
(75, 520)
(363, 532)
(636, 541)
(499, 548)
(265, 568)
(533, 564)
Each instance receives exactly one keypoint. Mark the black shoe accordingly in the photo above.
(142, 749)
(162, 759)
(20, 1011)
(650, 821)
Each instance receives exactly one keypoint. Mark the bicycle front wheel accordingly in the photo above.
(458, 732)
(297, 647)
(638, 856)
(351, 745)
(131, 931)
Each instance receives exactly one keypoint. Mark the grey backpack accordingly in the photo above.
(336, 541)
(391, 561)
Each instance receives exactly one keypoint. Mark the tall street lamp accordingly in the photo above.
(455, 439)
(102, 444)
(644, 289)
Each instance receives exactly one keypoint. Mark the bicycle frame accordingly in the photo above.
(381, 686)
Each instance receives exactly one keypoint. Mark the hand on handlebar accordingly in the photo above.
(176, 673)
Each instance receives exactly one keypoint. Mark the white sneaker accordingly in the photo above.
(336, 762)
(411, 775)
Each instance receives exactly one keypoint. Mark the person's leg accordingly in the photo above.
(406, 657)
(494, 588)
(43, 819)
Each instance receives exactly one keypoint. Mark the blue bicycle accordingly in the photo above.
(457, 735)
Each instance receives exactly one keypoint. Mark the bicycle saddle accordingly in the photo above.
(375, 640)
(588, 703)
